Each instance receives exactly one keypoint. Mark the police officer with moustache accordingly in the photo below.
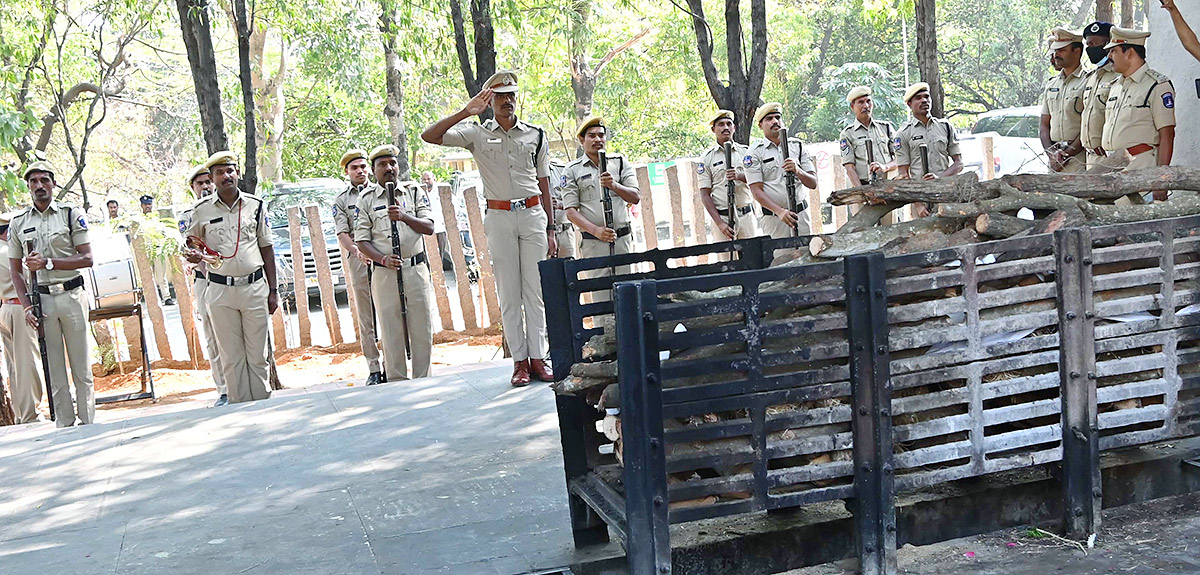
(765, 169)
(60, 249)
(583, 184)
(513, 160)
(858, 163)
(1140, 115)
(25, 383)
(713, 176)
(355, 165)
(200, 181)
(936, 134)
(241, 296)
(373, 231)
(1062, 104)
(1096, 90)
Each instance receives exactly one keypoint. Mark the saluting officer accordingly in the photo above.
(355, 165)
(713, 176)
(765, 169)
(200, 181)
(583, 183)
(1062, 104)
(858, 163)
(1096, 90)
(25, 381)
(231, 226)
(513, 160)
(60, 249)
(1140, 117)
(373, 232)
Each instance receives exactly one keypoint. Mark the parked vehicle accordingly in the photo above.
(315, 191)
(1016, 147)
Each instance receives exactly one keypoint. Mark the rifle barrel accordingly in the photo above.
(391, 192)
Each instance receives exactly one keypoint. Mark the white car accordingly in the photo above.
(1016, 147)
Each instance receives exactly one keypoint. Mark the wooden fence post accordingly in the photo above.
(646, 207)
(316, 235)
(183, 298)
(437, 277)
(152, 308)
(461, 281)
(483, 255)
(678, 237)
(278, 329)
(298, 277)
(700, 219)
(989, 158)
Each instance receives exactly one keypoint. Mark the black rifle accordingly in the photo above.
(873, 177)
(924, 159)
(790, 181)
(391, 193)
(35, 301)
(729, 187)
(606, 199)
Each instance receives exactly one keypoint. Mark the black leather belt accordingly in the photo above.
(803, 206)
(235, 281)
(621, 232)
(71, 284)
(199, 274)
(563, 227)
(415, 260)
(741, 211)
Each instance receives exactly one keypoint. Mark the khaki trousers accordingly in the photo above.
(25, 383)
(360, 290)
(566, 242)
(517, 240)
(596, 248)
(391, 319)
(239, 322)
(774, 227)
(65, 319)
(200, 287)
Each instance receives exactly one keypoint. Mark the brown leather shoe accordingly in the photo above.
(520, 377)
(540, 370)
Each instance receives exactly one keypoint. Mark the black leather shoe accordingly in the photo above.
(375, 378)
(223, 400)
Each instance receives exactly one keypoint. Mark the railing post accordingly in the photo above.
(648, 548)
(575, 417)
(1077, 375)
(870, 387)
(558, 317)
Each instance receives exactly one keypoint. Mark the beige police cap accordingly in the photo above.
(1061, 38)
(383, 152)
(915, 89)
(37, 166)
(590, 122)
(1126, 37)
(720, 115)
(196, 172)
(765, 109)
(857, 92)
(222, 158)
(351, 155)
(502, 81)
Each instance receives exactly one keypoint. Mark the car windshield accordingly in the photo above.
(284, 196)
(1012, 125)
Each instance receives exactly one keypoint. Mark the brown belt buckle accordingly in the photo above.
(56, 289)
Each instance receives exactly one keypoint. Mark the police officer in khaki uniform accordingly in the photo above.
(936, 134)
(713, 175)
(858, 163)
(356, 166)
(583, 183)
(373, 232)
(231, 227)
(1140, 116)
(200, 181)
(513, 161)
(1095, 92)
(60, 249)
(21, 354)
(1062, 104)
(564, 230)
(765, 168)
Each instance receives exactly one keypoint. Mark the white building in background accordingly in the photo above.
(1165, 54)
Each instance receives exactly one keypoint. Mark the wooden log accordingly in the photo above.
(839, 245)
(1009, 200)
(152, 307)
(298, 277)
(868, 217)
(600, 369)
(999, 225)
(961, 188)
(437, 276)
(1109, 186)
(483, 255)
(461, 281)
(1180, 204)
(316, 235)
(676, 194)
(646, 207)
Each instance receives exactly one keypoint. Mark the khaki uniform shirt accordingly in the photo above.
(581, 189)
(506, 159)
(1138, 107)
(853, 143)
(710, 173)
(235, 232)
(375, 226)
(345, 210)
(764, 165)
(938, 135)
(1095, 98)
(7, 291)
(55, 232)
(1062, 100)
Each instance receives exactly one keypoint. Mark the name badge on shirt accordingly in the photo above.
(217, 220)
(768, 159)
(918, 137)
(585, 177)
(493, 140)
(28, 230)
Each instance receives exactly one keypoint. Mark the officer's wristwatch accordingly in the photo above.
(49, 264)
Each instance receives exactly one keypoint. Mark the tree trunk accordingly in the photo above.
(742, 91)
(195, 25)
(250, 169)
(927, 54)
(1104, 10)
(393, 106)
(1127, 13)
(269, 104)
(484, 46)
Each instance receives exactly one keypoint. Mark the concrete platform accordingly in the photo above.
(458, 473)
